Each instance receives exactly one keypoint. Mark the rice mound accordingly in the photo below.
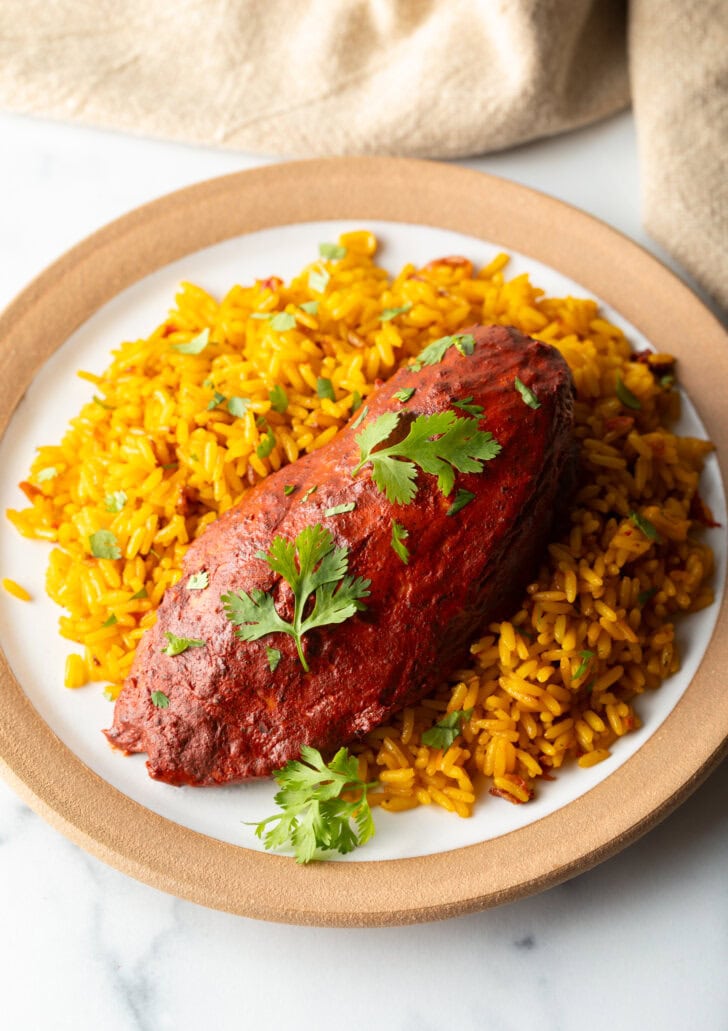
(222, 393)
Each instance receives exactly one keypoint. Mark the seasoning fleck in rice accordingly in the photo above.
(222, 393)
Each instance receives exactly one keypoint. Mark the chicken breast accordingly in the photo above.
(227, 714)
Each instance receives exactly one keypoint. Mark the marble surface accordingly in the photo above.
(639, 942)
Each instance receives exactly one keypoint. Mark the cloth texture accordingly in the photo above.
(424, 78)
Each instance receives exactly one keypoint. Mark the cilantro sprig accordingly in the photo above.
(440, 444)
(443, 733)
(312, 566)
(436, 351)
(315, 818)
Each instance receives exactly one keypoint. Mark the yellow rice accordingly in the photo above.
(152, 438)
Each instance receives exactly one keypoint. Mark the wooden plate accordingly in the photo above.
(672, 762)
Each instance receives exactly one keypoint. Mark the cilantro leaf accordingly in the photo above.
(391, 313)
(159, 699)
(340, 509)
(111, 621)
(586, 657)
(278, 399)
(625, 395)
(399, 536)
(216, 399)
(404, 395)
(325, 388)
(48, 473)
(360, 417)
(267, 443)
(274, 657)
(644, 524)
(462, 498)
(318, 279)
(356, 400)
(140, 594)
(199, 581)
(115, 501)
(289, 488)
(314, 817)
(440, 444)
(529, 398)
(466, 406)
(238, 406)
(176, 645)
(310, 307)
(307, 494)
(104, 544)
(282, 321)
(311, 566)
(449, 727)
(332, 251)
(195, 346)
(436, 351)
(103, 404)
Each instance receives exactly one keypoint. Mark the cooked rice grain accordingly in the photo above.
(157, 456)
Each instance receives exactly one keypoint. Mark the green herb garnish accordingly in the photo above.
(307, 494)
(176, 645)
(360, 417)
(282, 321)
(274, 657)
(278, 399)
(399, 536)
(644, 596)
(104, 544)
(310, 307)
(439, 444)
(318, 279)
(140, 594)
(325, 388)
(310, 565)
(626, 396)
(199, 581)
(115, 501)
(466, 406)
(103, 404)
(332, 251)
(160, 699)
(436, 351)
(449, 727)
(643, 524)
(462, 498)
(194, 346)
(404, 395)
(527, 394)
(315, 818)
(391, 313)
(111, 621)
(289, 488)
(586, 657)
(217, 399)
(340, 509)
(49, 473)
(356, 400)
(267, 444)
(238, 406)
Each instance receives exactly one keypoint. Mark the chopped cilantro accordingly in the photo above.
(356, 400)
(111, 621)
(625, 395)
(644, 524)
(310, 307)
(176, 645)
(48, 473)
(527, 394)
(586, 657)
(399, 536)
(340, 509)
(140, 594)
(404, 395)
(267, 444)
(196, 345)
(332, 251)
(274, 657)
(198, 581)
(310, 565)
(278, 399)
(115, 501)
(307, 494)
(391, 313)
(282, 321)
(104, 544)
(238, 406)
(318, 279)
(449, 727)
(325, 388)
(103, 404)
(462, 498)
(436, 351)
(289, 488)
(160, 699)
(466, 405)
(217, 399)
(360, 417)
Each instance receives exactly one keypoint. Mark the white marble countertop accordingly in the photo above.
(639, 942)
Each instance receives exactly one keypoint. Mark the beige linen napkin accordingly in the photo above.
(430, 78)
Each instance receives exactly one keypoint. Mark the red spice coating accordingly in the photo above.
(230, 718)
